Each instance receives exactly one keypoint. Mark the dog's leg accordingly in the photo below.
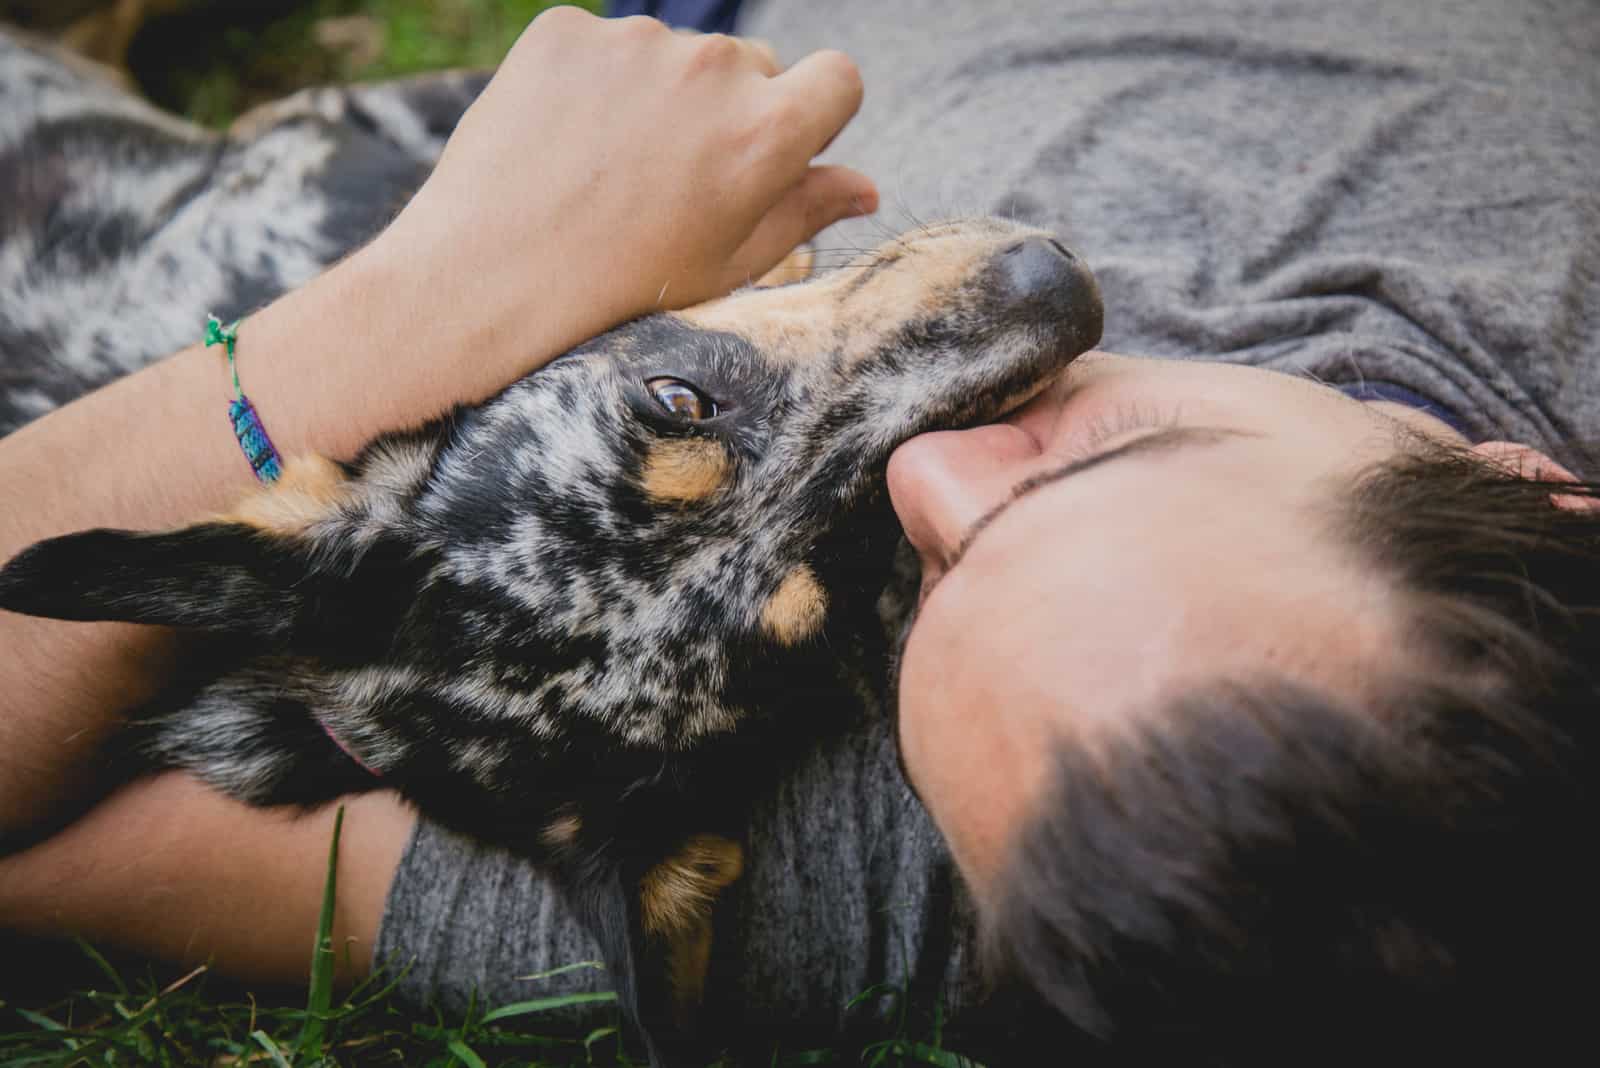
(254, 733)
(676, 901)
(653, 925)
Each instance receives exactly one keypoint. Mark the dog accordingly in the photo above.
(583, 619)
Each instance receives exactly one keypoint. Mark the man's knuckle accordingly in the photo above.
(842, 68)
(713, 52)
(763, 49)
(640, 27)
(562, 16)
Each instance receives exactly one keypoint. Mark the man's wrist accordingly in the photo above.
(355, 352)
(505, 309)
(413, 324)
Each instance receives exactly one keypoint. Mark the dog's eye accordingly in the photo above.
(681, 399)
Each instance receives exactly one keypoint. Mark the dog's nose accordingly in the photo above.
(1038, 266)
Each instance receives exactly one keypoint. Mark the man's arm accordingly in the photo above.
(169, 868)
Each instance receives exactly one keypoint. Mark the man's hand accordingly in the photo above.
(669, 167)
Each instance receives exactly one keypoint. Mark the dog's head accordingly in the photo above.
(631, 543)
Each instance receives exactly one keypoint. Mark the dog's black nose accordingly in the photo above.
(1038, 266)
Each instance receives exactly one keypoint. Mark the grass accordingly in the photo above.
(145, 1022)
(222, 59)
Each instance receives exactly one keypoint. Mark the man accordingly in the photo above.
(1238, 754)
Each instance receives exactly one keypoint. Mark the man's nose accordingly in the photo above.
(942, 483)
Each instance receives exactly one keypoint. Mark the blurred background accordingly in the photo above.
(211, 60)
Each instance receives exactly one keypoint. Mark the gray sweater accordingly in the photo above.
(1398, 192)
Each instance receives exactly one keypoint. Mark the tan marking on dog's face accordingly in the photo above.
(679, 892)
(684, 471)
(848, 312)
(795, 609)
(309, 490)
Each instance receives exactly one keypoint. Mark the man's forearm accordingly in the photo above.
(329, 367)
(148, 451)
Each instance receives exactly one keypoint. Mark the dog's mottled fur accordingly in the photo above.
(575, 620)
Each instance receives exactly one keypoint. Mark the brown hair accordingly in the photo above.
(1268, 873)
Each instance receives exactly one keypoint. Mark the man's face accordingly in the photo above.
(1141, 527)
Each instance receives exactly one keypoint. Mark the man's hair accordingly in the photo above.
(1266, 873)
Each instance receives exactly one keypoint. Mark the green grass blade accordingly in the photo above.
(922, 1053)
(265, 1042)
(38, 1019)
(103, 964)
(322, 955)
(523, 1008)
(37, 1058)
(45, 1023)
(463, 1053)
(563, 970)
(369, 1000)
(876, 990)
(597, 1034)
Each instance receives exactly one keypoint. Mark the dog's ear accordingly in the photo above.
(269, 572)
(224, 577)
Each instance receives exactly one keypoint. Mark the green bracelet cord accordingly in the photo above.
(247, 428)
(227, 337)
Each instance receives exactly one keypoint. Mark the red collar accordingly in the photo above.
(345, 749)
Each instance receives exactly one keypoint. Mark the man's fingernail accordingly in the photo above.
(864, 203)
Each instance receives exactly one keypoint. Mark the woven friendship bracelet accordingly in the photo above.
(247, 428)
